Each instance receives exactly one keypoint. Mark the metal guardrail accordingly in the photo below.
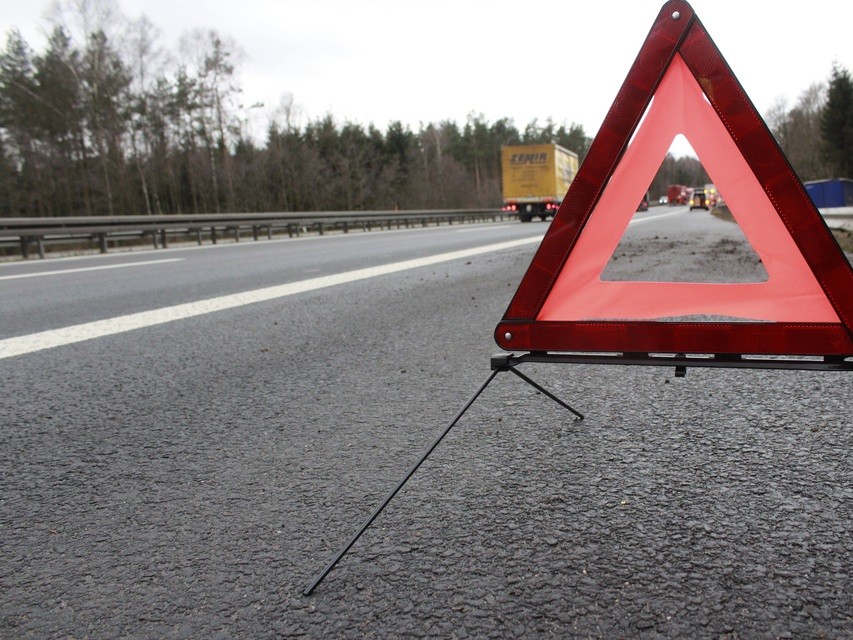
(39, 233)
(99, 231)
(838, 217)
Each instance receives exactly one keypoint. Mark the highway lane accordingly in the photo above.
(189, 479)
(39, 296)
(85, 289)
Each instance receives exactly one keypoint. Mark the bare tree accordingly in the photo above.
(797, 131)
(213, 61)
(146, 61)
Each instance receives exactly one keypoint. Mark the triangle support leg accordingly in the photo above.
(545, 391)
(509, 361)
(321, 576)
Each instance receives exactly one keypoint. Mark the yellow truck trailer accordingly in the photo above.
(535, 177)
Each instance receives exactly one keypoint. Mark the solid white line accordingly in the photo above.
(655, 217)
(480, 230)
(104, 266)
(78, 333)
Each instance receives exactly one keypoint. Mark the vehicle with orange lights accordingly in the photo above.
(704, 197)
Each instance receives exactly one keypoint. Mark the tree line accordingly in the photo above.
(105, 122)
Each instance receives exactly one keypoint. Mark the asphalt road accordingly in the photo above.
(189, 478)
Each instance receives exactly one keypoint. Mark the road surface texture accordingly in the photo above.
(189, 479)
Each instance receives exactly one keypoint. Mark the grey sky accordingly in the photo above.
(416, 61)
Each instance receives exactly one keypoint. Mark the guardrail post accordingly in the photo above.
(213, 235)
(25, 248)
(255, 232)
(320, 228)
(346, 226)
(289, 230)
(40, 246)
(198, 235)
(102, 242)
(269, 232)
(163, 238)
(236, 234)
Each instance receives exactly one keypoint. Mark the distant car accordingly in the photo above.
(663, 200)
(699, 200)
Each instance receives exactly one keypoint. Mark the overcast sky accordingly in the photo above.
(373, 61)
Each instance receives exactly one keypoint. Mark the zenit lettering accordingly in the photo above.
(529, 158)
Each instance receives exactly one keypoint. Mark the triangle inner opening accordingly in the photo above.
(683, 195)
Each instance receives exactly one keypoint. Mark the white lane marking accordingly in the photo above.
(87, 331)
(480, 230)
(655, 217)
(98, 268)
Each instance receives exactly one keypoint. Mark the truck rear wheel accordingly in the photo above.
(525, 218)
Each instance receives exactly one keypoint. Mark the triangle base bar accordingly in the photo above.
(681, 361)
(764, 338)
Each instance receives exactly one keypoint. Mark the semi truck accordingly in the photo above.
(535, 178)
(677, 194)
(829, 194)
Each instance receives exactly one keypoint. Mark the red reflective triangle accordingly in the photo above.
(806, 305)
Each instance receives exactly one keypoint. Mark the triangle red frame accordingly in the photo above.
(677, 30)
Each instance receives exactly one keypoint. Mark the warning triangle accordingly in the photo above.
(680, 84)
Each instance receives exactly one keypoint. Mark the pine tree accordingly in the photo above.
(836, 125)
(19, 106)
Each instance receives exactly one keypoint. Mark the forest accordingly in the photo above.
(105, 122)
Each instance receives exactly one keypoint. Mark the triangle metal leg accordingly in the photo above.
(321, 576)
(545, 391)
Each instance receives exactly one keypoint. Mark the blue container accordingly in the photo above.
(827, 194)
